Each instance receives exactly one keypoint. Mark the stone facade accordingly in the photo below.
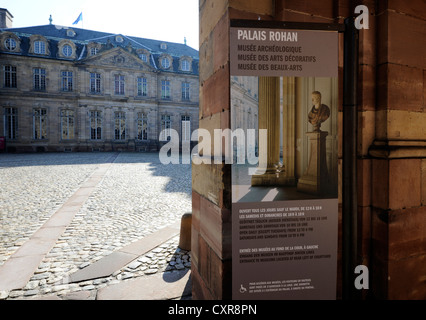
(391, 155)
(69, 89)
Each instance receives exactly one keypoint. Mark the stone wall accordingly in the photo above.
(25, 99)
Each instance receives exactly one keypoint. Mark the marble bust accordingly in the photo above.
(319, 112)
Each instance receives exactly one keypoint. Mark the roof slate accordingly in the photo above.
(55, 33)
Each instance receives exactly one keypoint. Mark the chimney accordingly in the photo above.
(6, 19)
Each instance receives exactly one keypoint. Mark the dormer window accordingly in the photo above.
(71, 33)
(39, 47)
(67, 50)
(165, 63)
(119, 39)
(185, 65)
(143, 57)
(10, 44)
(143, 54)
(163, 46)
(94, 48)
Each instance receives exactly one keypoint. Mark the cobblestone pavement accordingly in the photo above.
(137, 196)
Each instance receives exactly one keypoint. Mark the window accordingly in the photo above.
(143, 57)
(142, 124)
(119, 84)
(95, 125)
(142, 87)
(95, 82)
(39, 47)
(186, 128)
(11, 123)
(165, 89)
(93, 51)
(185, 65)
(166, 125)
(185, 91)
(120, 125)
(10, 44)
(163, 46)
(66, 81)
(10, 77)
(71, 33)
(67, 50)
(165, 62)
(67, 124)
(39, 79)
(40, 124)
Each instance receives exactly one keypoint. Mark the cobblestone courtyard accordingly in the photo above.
(136, 197)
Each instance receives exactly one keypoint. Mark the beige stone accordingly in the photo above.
(108, 63)
(400, 125)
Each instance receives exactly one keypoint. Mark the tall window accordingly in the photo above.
(40, 124)
(39, 47)
(67, 124)
(186, 128)
(66, 80)
(185, 91)
(10, 77)
(95, 82)
(39, 79)
(142, 87)
(166, 125)
(11, 123)
(142, 126)
(96, 125)
(93, 51)
(120, 125)
(119, 84)
(165, 89)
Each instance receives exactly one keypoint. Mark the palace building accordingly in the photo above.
(70, 89)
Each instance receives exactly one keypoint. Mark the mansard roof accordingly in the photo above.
(82, 37)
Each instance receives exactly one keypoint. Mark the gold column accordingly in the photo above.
(269, 118)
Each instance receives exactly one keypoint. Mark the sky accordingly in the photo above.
(167, 20)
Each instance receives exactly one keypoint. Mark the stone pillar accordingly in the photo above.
(315, 179)
(269, 118)
(391, 170)
(289, 129)
(211, 233)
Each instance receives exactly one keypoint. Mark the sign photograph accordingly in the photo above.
(284, 96)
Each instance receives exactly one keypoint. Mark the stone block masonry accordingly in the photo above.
(391, 149)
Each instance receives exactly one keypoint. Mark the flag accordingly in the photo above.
(80, 18)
